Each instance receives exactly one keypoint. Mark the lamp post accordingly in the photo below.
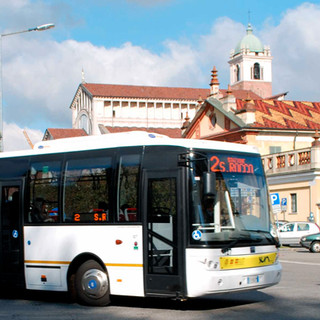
(38, 28)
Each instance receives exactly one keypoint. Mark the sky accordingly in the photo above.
(142, 42)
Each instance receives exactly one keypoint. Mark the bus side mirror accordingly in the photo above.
(209, 183)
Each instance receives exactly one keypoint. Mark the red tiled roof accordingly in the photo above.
(285, 114)
(128, 91)
(172, 133)
(65, 133)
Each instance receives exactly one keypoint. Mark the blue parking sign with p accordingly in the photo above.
(275, 199)
(275, 202)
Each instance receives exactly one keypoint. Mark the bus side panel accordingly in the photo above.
(49, 251)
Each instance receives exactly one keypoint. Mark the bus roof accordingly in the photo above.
(124, 139)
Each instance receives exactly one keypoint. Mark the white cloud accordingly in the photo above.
(40, 81)
(295, 46)
(14, 138)
(15, 4)
(214, 48)
(40, 75)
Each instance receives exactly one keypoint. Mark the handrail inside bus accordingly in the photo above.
(227, 197)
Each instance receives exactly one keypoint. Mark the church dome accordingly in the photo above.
(249, 41)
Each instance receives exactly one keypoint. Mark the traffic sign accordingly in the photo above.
(283, 204)
(275, 199)
(275, 202)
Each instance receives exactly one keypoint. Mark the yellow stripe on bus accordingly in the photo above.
(68, 262)
(123, 265)
(241, 262)
(46, 262)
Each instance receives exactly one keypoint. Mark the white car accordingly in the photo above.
(291, 232)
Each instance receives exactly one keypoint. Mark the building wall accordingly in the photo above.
(302, 190)
(296, 172)
(133, 112)
(245, 61)
(261, 88)
(266, 142)
(246, 64)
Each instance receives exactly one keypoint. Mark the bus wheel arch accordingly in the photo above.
(88, 281)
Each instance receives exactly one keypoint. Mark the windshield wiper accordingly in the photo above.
(256, 230)
(264, 232)
(271, 239)
(233, 243)
(229, 246)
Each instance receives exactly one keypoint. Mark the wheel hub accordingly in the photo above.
(316, 247)
(95, 283)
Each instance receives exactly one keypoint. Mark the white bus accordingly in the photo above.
(136, 214)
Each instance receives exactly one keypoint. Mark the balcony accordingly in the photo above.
(292, 161)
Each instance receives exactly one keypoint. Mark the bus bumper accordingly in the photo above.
(207, 279)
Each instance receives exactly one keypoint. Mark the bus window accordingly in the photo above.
(128, 188)
(237, 204)
(162, 225)
(44, 179)
(86, 190)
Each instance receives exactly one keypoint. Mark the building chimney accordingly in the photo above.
(186, 123)
(214, 84)
(229, 101)
(247, 113)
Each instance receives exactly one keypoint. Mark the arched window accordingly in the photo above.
(238, 72)
(84, 123)
(256, 71)
(213, 119)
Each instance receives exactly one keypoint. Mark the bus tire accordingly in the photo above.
(90, 284)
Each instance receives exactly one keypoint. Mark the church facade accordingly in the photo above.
(103, 108)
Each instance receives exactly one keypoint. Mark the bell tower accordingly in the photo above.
(251, 66)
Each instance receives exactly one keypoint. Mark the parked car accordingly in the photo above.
(280, 223)
(291, 232)
(311, 242)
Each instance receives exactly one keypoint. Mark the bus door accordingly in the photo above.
(11, 252)
(163, 233)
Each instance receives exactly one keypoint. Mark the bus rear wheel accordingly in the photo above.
(90, 284)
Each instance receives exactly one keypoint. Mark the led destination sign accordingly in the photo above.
(221, 163)
(90, 217)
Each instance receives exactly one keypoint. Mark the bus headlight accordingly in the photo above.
(212, 265)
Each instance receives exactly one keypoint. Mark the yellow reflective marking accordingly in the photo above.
(124, 265)
(46, 262)
(251, 261)
(68, 262)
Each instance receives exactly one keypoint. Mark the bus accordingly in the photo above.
(136, 214)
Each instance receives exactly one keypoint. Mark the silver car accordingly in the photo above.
(291, 232)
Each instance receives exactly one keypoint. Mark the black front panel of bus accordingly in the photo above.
(164, 210)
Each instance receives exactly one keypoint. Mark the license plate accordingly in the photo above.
(253, 279)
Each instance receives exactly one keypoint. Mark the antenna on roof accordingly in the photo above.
(82, 76)
(249, 17)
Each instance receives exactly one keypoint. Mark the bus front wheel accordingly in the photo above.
(90, 284)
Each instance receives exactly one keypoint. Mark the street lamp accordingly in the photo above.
(39, 28)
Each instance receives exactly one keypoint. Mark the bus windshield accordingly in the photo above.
(229, 200)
